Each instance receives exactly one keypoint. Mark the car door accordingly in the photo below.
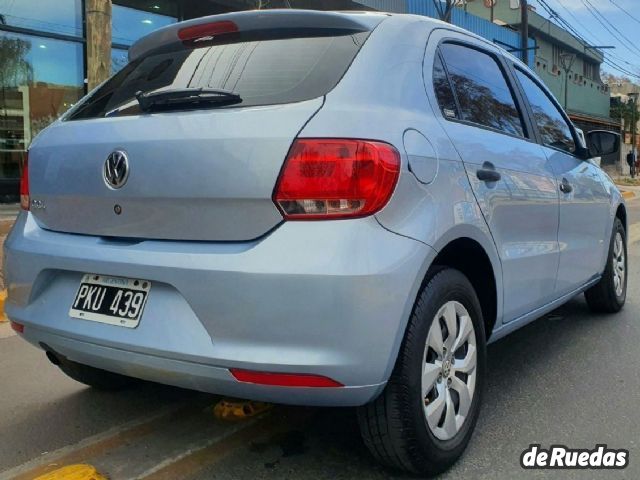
(585, 220)
(507, 169)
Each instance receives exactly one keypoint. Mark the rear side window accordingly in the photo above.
(553, 127)
(481, 89)
(441, 84)
(262, 71)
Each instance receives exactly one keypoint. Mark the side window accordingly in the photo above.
(553, 127)
(482, 91)
(443, 90)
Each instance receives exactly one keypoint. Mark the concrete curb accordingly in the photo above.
(628, 195)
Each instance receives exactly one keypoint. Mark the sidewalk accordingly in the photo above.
(630, 192)
(8, 214)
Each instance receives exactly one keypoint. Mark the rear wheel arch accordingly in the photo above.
(398, 427)
(621, 213)
(462, 242)
(609, 294)
(470, 258)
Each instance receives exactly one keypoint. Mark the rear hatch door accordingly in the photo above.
(194, 170)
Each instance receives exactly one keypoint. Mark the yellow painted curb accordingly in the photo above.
(3, 297)
(73, 472)
(628, 195)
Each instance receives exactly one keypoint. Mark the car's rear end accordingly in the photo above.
(177, 226)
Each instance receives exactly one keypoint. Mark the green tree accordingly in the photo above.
(623, 110)
(15, 70)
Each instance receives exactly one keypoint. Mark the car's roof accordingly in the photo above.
(262, 20)
(296, 19)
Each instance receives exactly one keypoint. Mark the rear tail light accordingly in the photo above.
(336, 178)
(284, 379)
(206, 31)
(24, 184)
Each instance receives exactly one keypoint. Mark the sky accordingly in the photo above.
(582, 15)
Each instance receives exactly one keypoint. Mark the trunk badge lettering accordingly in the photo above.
(116, 169)
(37, 204)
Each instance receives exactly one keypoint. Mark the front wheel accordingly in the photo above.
(423, 420)
(610, 293)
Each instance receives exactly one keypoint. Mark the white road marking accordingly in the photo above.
(53, 457)
(193, 449)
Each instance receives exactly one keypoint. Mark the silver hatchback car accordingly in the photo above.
(315, 208)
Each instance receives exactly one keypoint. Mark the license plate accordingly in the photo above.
(113, 300)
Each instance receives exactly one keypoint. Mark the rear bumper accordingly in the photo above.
(322, 298)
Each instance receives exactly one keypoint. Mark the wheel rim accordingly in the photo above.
(449, 370)
(618, 264)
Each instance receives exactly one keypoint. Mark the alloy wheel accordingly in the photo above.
(449, 370)
(619, 264)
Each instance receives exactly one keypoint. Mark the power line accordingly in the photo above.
(553, 15)
(583, 38)
(597, 40)
(604, 22)
(633, 17)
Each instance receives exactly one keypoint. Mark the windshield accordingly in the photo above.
(261, 72)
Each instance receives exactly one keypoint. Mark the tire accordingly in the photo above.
(94, 377)
(394, 426)
(605, 296)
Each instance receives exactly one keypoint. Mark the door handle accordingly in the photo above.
(488, 173)
(565, 186)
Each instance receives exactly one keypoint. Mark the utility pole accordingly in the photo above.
(447, 15)
(524, 30)
(634, 122)
(634, 97)
(444, 13)
(567, 60)
(98, 17)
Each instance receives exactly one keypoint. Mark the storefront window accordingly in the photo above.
(59, 16)
(119, 58)
(129, 24)
(40, 79)
(168, 8)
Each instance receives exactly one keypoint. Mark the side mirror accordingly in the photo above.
(602, 142)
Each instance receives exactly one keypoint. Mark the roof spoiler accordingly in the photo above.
(256, 21)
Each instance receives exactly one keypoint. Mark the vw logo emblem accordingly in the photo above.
(116, 169)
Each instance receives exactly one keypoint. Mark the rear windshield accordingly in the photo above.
(261, 71)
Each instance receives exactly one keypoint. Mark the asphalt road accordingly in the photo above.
(570, 378)
(633, 211)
